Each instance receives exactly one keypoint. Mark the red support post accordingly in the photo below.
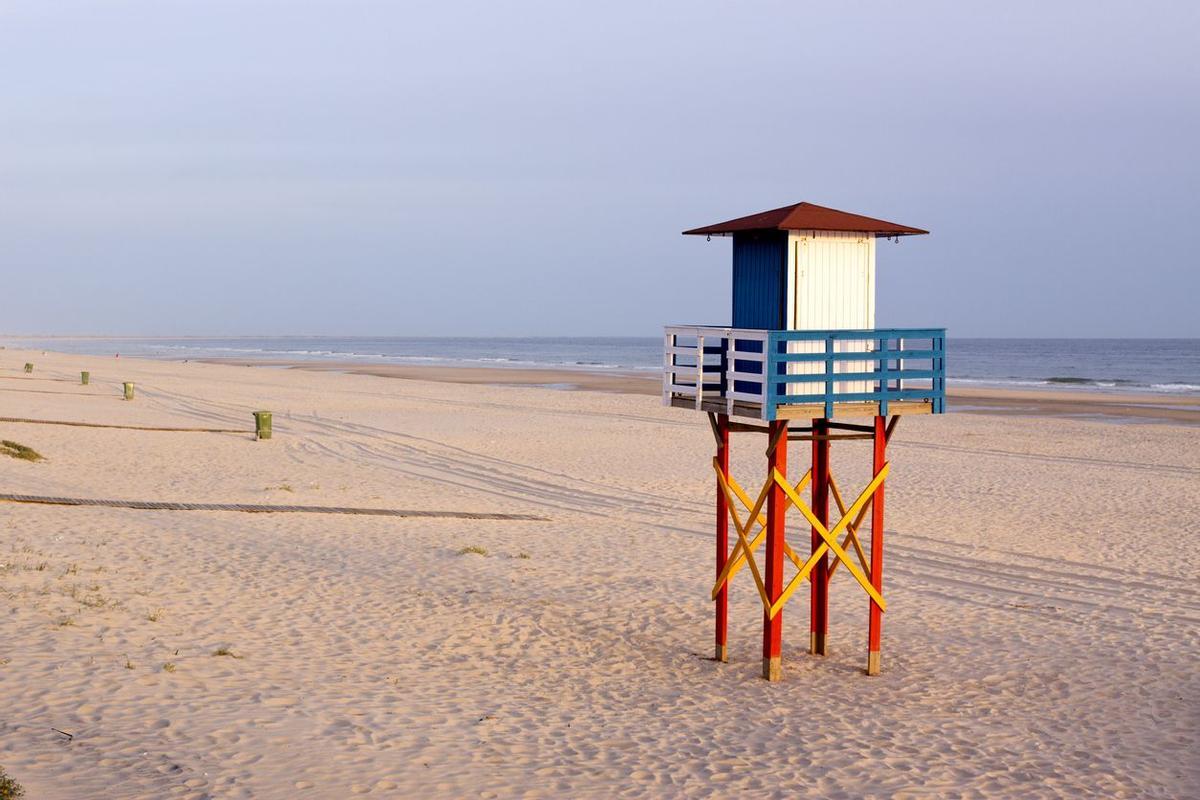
(772, 668)
(875, 626)
(819, 626)
(722, 600)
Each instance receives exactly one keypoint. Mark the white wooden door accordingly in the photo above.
(832, 277)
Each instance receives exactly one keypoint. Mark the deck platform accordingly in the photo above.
(798, 375)
(803, 410)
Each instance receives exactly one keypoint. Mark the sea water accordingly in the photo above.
(1142, 365)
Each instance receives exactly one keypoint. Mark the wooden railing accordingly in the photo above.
(769, 369)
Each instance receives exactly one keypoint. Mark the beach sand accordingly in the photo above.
(1111, 406)
(1041, 638)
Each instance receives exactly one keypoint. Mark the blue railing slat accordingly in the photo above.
(871, 355)
(820, 377)
(865, 335)
(854, 397)
(830, 369)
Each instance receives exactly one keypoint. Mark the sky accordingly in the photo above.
(445, 168)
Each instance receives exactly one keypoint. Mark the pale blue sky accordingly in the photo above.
(451, 168)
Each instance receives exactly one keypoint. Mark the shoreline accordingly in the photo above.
(1075, 404)
(1103, 406)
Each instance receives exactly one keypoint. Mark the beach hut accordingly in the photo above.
(802, 360)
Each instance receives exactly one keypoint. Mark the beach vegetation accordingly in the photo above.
(474, 548)
(128, 663)
(10, 789)
(155, 615)
(95, 601)
(18, 450)
(169, 666)
(66, 622)
(225, 651)
(523, 554)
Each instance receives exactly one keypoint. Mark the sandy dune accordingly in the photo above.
(1042, 637)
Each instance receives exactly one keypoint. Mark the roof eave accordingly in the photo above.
(721, 231)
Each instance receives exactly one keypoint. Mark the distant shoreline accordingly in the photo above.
(1167, 367)
(1063, 401)
(1055, 402)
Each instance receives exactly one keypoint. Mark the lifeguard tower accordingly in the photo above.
(803, 358)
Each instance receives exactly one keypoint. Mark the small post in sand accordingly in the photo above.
(128, 390)
(85, 378)
(262, 424)
(28, 367)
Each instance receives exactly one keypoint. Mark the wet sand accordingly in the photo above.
(1102, 406)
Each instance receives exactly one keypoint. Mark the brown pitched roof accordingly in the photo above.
(807, 217)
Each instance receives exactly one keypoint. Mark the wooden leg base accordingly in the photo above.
(873, 662)
(816, 643)
(773, 668)
(721, 654)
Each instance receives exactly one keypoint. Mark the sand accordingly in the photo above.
(1109, 406)
(1041, 639)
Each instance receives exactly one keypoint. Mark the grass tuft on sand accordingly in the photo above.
(10, 789)
(476, 549)
(18, 450)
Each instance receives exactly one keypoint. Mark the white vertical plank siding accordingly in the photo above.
(831, 287)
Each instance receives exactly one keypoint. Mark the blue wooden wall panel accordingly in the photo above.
(758, 280)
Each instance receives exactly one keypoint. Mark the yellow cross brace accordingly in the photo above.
(742, 542)
(743, 549)
(830, 540)
(739, 556)
(851, 530)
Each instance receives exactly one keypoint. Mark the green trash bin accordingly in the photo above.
(128, 391)
(262, 424)
(28, 367)
(85, 378)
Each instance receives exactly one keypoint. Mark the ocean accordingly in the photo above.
(1169, 366)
